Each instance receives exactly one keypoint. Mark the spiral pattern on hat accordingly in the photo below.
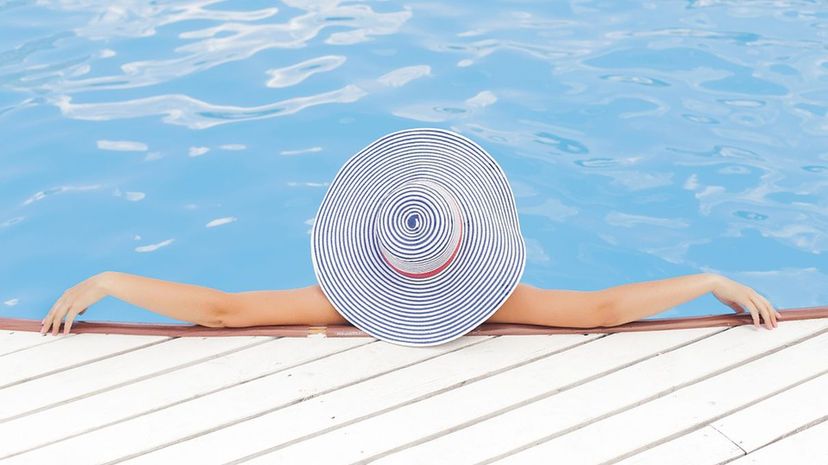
(419, 228)
(411, 199)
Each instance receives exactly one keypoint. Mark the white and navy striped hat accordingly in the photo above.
(417, 240)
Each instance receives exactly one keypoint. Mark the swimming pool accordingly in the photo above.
(193, 141)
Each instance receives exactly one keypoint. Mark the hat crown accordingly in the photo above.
(419, 228)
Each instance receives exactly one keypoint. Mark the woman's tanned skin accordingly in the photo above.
(309, 306)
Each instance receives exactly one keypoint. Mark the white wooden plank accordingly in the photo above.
(485, 397)
(807, 447)
(704, 446)
(360, 400)
(685, 409)
(603, 396)
(12, 341)
(779, 415)
(70, 351)
(60, 387)
(267, 392)
(88, 413)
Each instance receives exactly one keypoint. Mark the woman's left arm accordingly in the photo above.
(198, 304)
(201, 305)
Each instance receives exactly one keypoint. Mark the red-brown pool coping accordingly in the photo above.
(485, 329)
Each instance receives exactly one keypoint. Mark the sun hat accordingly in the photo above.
(417, 239)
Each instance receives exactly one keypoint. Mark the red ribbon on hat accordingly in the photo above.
(433, 272)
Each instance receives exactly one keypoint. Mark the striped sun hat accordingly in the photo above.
(417, 240)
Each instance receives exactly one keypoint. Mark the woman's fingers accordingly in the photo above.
(773, 309)
(754, 313)
(72, 297)
(64, 299)
(771, 312)
(53, 325)
(57, 319)
(761, 311)
(70, 317)
(47, 321)
(740, 297)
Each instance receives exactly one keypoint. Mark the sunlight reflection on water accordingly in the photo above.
(194, 140)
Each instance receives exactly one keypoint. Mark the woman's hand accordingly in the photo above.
(74, 302)
(738, 297)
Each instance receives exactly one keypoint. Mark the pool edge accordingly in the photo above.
(485, 329)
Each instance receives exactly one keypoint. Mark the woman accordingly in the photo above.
(416, 242)
(308, 305)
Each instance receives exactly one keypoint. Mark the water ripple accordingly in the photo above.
(142, 19)
(154, 247)
(122, 145)
(196, 114)
(628, 220)
(402, 76)
(40, 195)
(221, 221)
(447, 110)
(234, 41)
(294, 74)
(641, 80)
(187, 111)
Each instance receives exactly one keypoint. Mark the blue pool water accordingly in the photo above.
(193, 141)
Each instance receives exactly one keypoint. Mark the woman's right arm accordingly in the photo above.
(628, 302)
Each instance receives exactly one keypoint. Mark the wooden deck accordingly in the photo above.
(738, 395)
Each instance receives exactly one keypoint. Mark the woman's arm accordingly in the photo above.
(628, 302)
(198, 304)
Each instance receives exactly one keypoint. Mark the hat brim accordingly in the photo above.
(418, 311)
